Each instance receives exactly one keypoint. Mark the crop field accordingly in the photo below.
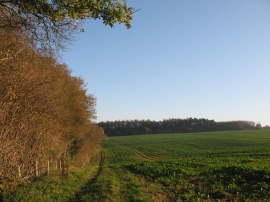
(210, 166)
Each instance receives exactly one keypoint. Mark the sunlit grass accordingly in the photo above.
(53, 187)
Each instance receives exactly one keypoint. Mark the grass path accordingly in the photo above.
(52, 187)
(111, 183)
(105, 182)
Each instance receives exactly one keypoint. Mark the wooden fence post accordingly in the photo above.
(36, 170)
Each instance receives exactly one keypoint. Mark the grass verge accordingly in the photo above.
(52, 187)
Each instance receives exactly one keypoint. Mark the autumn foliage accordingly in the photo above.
(45, 113)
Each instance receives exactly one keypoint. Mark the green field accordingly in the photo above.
(209, 166)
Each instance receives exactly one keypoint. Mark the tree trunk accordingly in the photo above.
(56, 164)
(48, 167)
(36, 170)
(60, 164)
(19, 171)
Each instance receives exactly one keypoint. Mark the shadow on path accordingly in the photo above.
(90, 187)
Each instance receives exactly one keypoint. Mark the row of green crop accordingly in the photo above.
(226, 166)
(189, 180)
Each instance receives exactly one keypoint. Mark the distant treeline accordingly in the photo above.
(139, 127)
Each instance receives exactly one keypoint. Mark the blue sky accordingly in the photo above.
(181, 58)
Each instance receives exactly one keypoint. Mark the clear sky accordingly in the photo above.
(182, 58)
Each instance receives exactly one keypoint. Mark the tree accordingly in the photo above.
(44, 113)
(259, 126)
(49, 23)
(137, 127)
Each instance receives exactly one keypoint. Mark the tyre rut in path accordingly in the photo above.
(111, 183)
(79, 196)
